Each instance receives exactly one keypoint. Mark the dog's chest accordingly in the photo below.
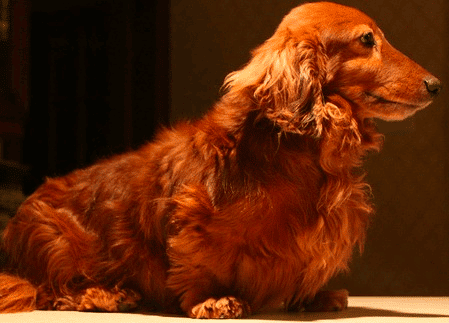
(289, 270)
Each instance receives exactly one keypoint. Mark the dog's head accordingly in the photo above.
(323, 50)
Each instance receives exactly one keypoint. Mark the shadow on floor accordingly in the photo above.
(351, 312)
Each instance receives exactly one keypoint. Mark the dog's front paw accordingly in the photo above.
(328, 301)
(224, 308)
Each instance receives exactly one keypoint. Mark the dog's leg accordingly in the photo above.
(202, 293)
(99, 299)
(202, 259)
(328, 301)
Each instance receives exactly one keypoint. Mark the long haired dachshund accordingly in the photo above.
(256, 205)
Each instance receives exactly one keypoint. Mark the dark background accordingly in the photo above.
(81, 80)
(96, 77)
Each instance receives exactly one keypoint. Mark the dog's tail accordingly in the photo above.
(16, 294)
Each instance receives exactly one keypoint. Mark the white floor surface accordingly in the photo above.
(361, 310)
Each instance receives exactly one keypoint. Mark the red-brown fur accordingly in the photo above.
(258, 203)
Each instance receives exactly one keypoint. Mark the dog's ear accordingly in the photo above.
(284, 79)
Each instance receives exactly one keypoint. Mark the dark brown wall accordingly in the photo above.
(99, 81)
(407, 252)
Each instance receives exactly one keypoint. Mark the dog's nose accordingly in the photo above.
(433, 85)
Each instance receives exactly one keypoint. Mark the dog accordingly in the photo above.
(254, 206)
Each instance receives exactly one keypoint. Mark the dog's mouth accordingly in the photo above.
(391, 110)
(380, 99)
(376, 106)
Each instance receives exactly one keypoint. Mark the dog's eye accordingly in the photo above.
(368, 39)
